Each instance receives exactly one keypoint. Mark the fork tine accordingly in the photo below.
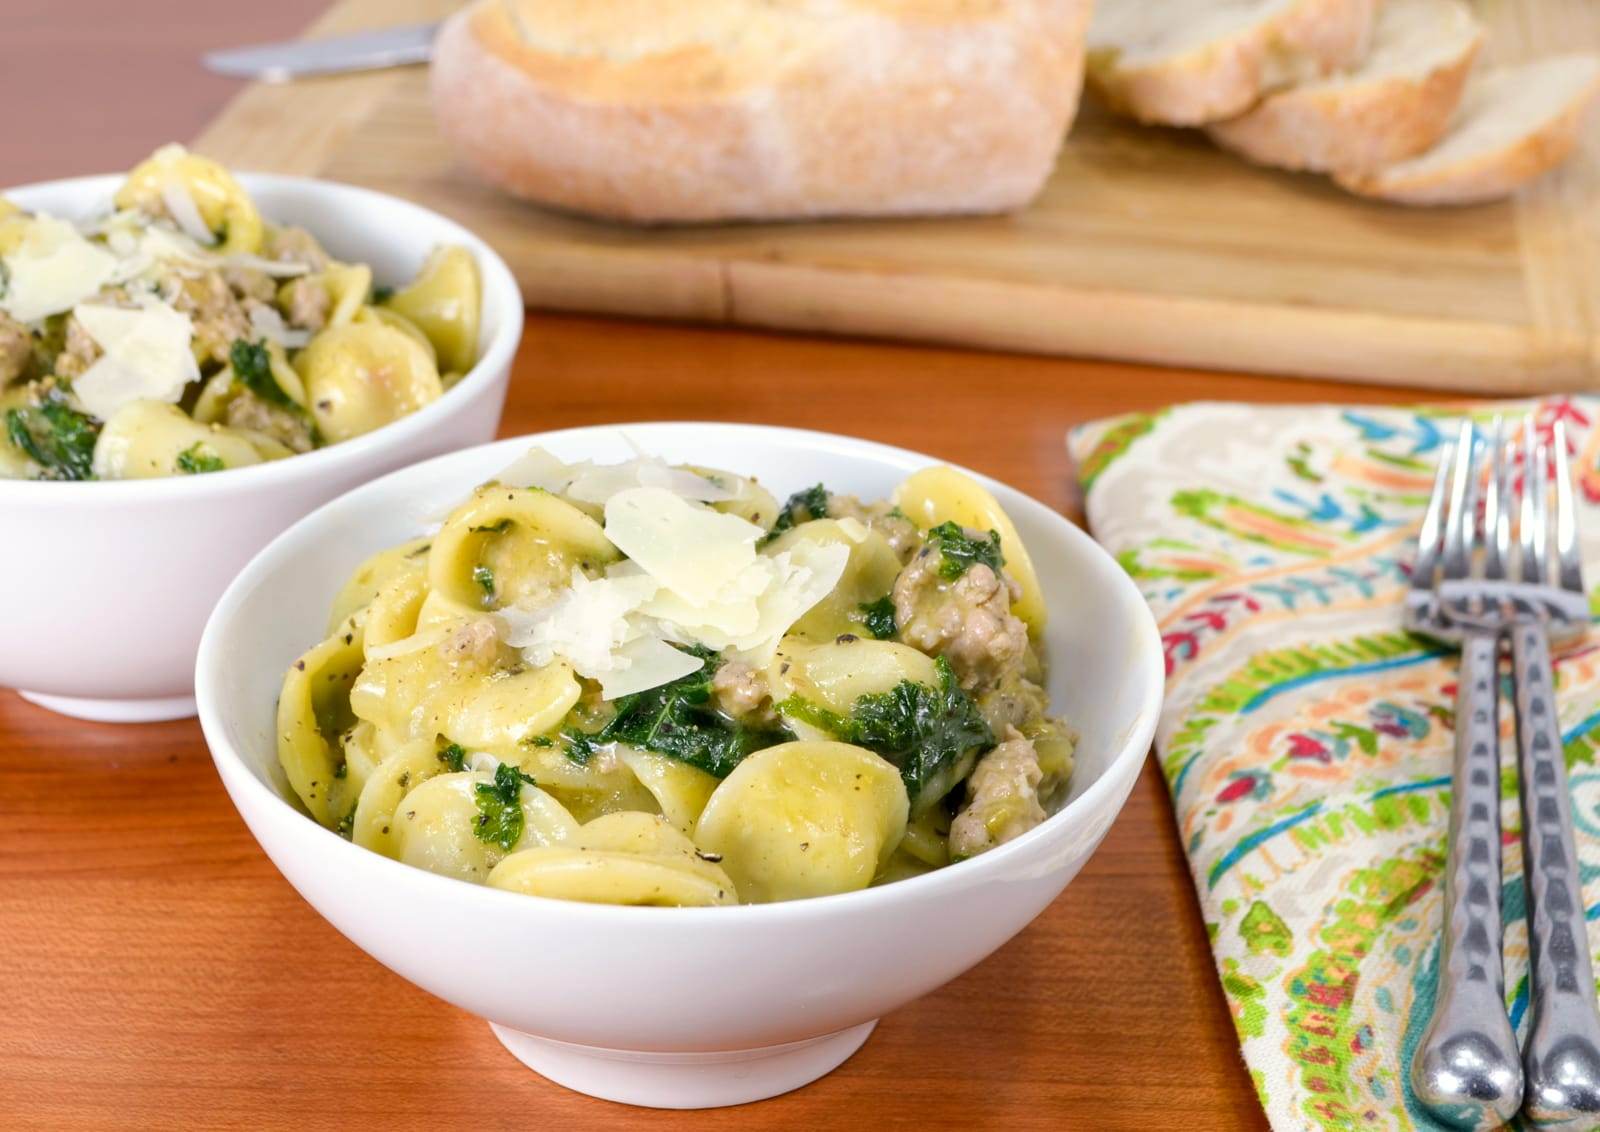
(1497, 535)
(1532, 533)
(1461, 518)
(1569, 560)
(1430, 535)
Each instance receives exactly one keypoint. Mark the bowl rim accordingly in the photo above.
(499, 287)
(236, 772)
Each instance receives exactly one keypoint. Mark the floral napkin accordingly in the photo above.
(1306, 737)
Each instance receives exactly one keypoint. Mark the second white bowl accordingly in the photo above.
(678, 1007)
(106, 586)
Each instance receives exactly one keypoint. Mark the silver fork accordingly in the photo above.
(1561, 1058)
(1465, 1070)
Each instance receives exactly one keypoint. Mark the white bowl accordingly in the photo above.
(676, 1007)
(105, 586)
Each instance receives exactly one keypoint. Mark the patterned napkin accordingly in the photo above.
(1306, 738)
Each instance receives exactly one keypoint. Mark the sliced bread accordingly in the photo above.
(1514, 124)
(727, 109)
(1398, 102)
(1189, 62)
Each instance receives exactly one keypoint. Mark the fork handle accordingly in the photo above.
(1465, 1069)
(1562, 1058)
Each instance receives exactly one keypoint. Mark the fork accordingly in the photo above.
(1465, 1069)
(1561, 1058)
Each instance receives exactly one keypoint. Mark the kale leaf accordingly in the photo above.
(879, 616)
(924, 731)
(485, 579)
(56, 437)
(679, 720)
(454, 756)
(197, 459)
(500, 806)
(802, 506)
(252, 368)
(961, 552)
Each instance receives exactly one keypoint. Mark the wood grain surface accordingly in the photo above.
(1146, 245)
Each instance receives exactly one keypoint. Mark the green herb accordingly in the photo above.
(812, 503)
(347, 824)
(252, 368)
(381, 295)
(925, 731)
(879, 617)
(493, 528)
(454, 756)
(961, 552)
(197, 459)
(500, 806)
(485, 579)
(679, 720)
(540, 741)
(56, 437)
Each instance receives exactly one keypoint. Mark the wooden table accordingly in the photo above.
(160, 973)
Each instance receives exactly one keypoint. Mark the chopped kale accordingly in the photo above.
(454, 756)
(252, 368)
(540, 741)
(485, 579)
(961, 552)
(493, 528)
(499, 805)
(197, 459)
(381, 295)
(801, 507)
(879, 617)
(347, 824)
(923, 730)
(679, 720)
(56, 437)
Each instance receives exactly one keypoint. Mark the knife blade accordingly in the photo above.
(294, 59)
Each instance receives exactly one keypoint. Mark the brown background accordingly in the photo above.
(159, 973)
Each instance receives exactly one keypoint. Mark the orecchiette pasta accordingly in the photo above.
(186, 302)
(531, 697)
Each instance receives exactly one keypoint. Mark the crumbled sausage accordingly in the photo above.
(16, 347)
(883, 517)
(742, 692)
(295, 245)
(251, 283)
(306, 303)
(79, 352)
(218, 318)
(1002, 798)
(967, 621)
(472, 642)
(251, 413)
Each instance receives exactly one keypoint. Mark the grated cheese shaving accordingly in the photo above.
(53, 270)
(146, 355)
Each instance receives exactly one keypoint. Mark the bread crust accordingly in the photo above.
(1484, 176)
(900, 107)
(1353, 128)
(1221, 79)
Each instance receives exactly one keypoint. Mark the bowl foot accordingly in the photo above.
(115, 711)
(684, 1080)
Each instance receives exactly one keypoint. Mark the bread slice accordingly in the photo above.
(1514, 124)
(1189, 62)
(727, 109)
(1395, 104)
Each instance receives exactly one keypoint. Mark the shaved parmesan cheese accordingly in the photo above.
(693, 551)
(585, 623)
(53, 270)
(146, 355)
(482, 762)
(588, 482)
(646, 663)
(184, 212)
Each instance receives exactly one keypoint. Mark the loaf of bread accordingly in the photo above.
(1398, 102)
(743, 109)
(1189, 62)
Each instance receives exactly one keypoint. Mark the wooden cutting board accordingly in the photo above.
(1147, 245)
